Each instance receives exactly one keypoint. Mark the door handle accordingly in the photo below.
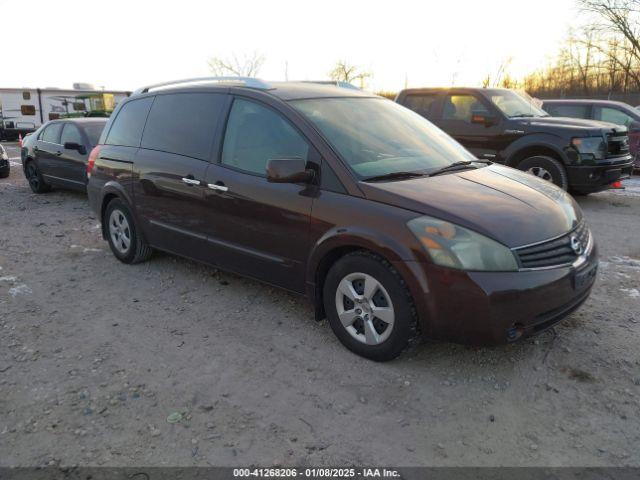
(219, 188)
(58, 153)
(190, 181)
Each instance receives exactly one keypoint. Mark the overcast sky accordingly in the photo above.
(127, 44)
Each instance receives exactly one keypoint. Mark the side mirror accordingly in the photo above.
(289, 170)
(75, 146)
(483, 119)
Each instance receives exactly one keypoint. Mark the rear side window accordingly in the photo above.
(70, 133)
(93, 131)
(51, 134)
(423, 104)
(256, 134)
(572, 111)
(128, 125)
(183, 123)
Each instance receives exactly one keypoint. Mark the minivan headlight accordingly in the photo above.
(453, 246)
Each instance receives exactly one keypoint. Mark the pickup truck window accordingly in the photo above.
(462, 107)
(422, 103)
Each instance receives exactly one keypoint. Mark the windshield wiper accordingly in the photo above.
(458, 166)
(393, 176)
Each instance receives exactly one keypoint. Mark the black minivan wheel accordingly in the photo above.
(122, 234)
(369, 307)
(34, 177)
(546, 168)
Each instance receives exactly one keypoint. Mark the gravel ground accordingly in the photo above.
(174, 363)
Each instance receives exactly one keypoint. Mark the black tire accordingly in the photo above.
(547, 168)
(137, 250)
(4, 172)
(405, 324)
(34, 177)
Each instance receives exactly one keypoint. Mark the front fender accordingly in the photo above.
(340, 237)
(111, 189)
(539, 140)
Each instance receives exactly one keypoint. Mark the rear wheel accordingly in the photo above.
(546, 168)
(123, 236)
(34, 177)
(369, 307)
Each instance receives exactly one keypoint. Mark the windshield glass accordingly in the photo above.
(377, 137)
(513, 104)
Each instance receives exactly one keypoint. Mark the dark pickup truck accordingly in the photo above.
(500, 125)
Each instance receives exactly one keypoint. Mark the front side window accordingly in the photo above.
(571, 111)
(183, 123)
(256, 134)
(375, 136)
(462, 107)
(613, 115)
(422, 103)
(128, 125)
(71, 134)
(51, 134)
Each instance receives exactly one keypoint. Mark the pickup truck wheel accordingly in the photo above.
(546, 168)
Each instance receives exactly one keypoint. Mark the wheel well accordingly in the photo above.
(324, 265)
(26, 160)
(532, 151)
(105, 201)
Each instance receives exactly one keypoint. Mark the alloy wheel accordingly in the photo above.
(364, 308)
(541, 173)
(119, 231)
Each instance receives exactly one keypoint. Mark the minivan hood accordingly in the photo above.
(510, 206)
(585, 126)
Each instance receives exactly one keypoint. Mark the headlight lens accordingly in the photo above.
(456, 247)
(590, 147)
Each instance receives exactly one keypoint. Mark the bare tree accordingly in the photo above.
(344, 72)
(234, 65)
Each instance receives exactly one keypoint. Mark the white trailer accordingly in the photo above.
(23, 110)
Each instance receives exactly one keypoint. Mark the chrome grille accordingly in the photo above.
(554, 253)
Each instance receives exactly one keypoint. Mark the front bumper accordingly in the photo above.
(489, 308)
(594, 178)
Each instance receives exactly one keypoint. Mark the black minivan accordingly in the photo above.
(382, 220)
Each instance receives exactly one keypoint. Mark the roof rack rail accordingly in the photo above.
(247, 81)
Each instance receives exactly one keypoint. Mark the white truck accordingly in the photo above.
(23, 110)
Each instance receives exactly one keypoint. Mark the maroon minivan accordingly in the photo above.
(387, 224)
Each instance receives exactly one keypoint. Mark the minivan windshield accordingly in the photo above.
(377, 137)
(513, 104)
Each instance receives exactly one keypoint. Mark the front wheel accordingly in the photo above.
(546, 168)
(369, 307)
(123, 236)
